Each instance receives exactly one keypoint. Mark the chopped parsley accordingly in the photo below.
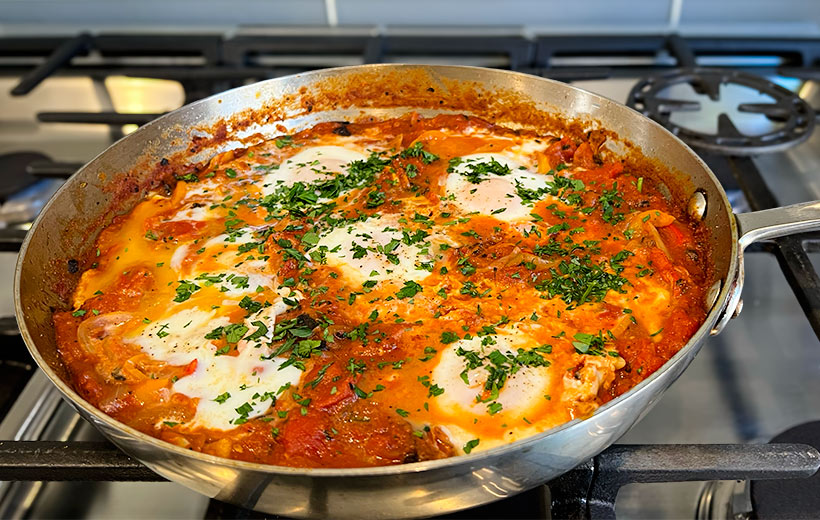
(284, 141)
(578, 281)
(470, 445)
(185, 290)
(319, 376)
(564, 188)
(409, 290)
(250, 305)
(188, 177)
(591, 344)
(449, 337)
(375, 199)
(163, 332)
(477, 172)
(609, 200)
(233, 333)
(417, 150)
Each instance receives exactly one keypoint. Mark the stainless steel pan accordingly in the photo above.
(60, 245)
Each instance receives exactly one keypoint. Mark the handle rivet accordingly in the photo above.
(738, 309)
(696, 208)
(712, 295)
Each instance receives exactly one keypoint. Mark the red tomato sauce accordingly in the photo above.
(598, 282)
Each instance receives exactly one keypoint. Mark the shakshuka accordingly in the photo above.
(384, 292)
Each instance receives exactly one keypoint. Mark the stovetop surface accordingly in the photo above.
(759, 377)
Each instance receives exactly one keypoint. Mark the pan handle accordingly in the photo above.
(777, 222)
(762, 225)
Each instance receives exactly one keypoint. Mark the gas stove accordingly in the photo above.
(730, 439)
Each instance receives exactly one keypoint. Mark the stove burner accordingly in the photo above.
(795, 117)
(766, 499)
(792, 499)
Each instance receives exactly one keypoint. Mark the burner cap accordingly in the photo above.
(795, 116)
(792, 498)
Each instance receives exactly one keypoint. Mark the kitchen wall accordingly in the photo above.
(794, 18)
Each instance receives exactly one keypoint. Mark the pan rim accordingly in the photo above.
(473, 459)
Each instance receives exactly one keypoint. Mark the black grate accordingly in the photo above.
(588, 491)
(795, 116)
(209, 63)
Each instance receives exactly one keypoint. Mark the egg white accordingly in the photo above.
(375, 265)
(316, 163)
(458, 408)
(241, 377)
(495, 194)
(220, 251)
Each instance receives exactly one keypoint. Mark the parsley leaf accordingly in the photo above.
(417, 150)
(188, 177)
(375, 199)
(578, 281)
(470, 445)
(609, 200)
(185, 290)
(409, 290)
(250, 305)
(235, 332)
(284, 141)
(591, 344)
(260, 332)
(449, 337)
(477, 172)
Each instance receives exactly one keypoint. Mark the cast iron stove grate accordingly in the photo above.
(796, 117)
(766, 499)
(588, 491)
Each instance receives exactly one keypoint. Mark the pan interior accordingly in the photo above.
(61, 243)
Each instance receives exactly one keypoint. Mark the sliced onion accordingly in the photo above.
(622, 324)
(94, 331)
(649, 221)
(653, 232)
(516, 256)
